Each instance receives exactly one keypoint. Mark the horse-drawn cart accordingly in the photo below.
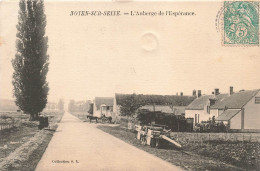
(155, 136)
(103, 119)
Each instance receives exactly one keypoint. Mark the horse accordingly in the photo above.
(90, 117)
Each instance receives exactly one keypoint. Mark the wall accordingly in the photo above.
(215, 112)
(203, 115)
(95, 111)
(252, 114)
(235, 122)
(115, 113)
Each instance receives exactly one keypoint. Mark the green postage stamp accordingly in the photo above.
(241, 23)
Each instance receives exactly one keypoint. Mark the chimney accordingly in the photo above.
(181, 93)
(199, 93)
(231, 90)
(194, 93)
(216, 92)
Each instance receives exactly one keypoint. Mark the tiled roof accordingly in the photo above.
(199, 103)
(236, 100)
(109, 101)
(227, 115)
(221, 96)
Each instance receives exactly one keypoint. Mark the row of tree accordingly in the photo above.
(157, 99)
(129, 103)
(79, 106)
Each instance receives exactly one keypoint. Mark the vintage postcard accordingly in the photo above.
(129, 85)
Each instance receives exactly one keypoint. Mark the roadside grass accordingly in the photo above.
(185, 159)
(36, 155)
(15, 137)
(26, 144)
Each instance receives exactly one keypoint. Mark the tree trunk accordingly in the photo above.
(37, 116)
(31, 117)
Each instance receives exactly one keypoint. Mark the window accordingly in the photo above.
(197, 118)
(208, 109)
(257, 100)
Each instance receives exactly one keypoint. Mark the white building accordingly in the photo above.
(199, 109)
(240, 110)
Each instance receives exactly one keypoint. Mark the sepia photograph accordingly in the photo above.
(123, 85)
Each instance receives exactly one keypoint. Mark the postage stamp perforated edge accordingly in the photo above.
(220, 25)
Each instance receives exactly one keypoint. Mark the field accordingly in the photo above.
(23, 145)
(244, 155)
(189, 159)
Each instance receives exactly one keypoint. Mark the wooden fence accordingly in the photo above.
(6, 126)
(10, 119)
(198, 137)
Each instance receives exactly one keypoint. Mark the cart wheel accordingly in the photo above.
(143, 140)
(157, 143)
(153, 142)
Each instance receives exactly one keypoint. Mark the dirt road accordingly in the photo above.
(79, 145)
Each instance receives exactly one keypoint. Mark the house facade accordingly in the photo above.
(200, 108)
(241, 111)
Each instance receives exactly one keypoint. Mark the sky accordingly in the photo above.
(100, 56)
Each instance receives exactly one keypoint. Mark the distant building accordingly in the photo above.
(240, 110)
(103, 106)
(199, 109)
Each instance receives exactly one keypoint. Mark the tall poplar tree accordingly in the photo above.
(31, 61)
